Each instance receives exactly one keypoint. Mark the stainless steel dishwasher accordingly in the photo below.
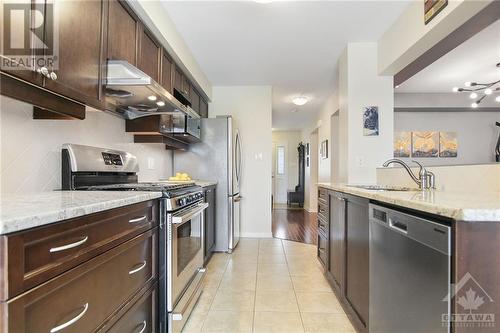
(409, 273)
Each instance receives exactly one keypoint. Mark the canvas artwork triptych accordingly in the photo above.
(425, 144)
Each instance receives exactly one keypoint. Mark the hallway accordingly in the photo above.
(295, 224)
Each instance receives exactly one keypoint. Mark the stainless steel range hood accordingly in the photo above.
(131, 93)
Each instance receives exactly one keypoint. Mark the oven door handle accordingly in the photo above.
(189, 214)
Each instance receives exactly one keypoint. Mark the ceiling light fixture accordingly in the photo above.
(480, 90)
(152, 98)
(300, 100)
(160, 103)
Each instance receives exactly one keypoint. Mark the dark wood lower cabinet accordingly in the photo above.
(209, 225)
(347, 243)
(357, 256)
(107, 284)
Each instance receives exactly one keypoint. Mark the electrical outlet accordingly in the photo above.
(151, 163)
(360, 161)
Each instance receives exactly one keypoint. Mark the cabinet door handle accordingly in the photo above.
(135, 270)
(68, 246)
(139, 219)
(44, 71)
(72, 321)
(144, 324)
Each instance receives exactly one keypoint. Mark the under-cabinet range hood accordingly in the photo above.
(131, 93)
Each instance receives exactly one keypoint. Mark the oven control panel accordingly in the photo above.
(189, 198)
(112, 159)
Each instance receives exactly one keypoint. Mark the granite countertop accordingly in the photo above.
(205, 183)
(25, 211)
(460, 206)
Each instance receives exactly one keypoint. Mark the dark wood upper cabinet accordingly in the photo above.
(203, 108)
(195, 99)
(77, 73)
(179, 79)
(167, 69)
(149, 55)
(123, 31)
(25, 72)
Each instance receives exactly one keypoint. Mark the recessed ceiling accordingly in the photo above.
(473, 60)
(290, 45)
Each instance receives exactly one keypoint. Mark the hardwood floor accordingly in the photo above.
(295, 224)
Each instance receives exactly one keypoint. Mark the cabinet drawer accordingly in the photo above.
(83, 298)
(37, 255)
(140, 317)
(323, 210)
(322, 195)
(323, 249)
(323, 226)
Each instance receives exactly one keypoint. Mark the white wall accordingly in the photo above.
(325, 133)
(360, 86)
(31, 149)
(291, 140)
(251, 108)
(311, 171)
(409, 37)
(476, 131)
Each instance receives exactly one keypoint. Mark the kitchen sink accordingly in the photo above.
(384, 188)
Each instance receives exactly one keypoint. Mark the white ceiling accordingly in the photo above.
(473, 60)
(291, 45)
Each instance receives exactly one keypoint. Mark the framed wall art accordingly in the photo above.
(370, 121)
(425, 144)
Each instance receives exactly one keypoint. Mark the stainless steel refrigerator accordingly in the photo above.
(218, 158)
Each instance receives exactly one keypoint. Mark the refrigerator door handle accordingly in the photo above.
(238, 154)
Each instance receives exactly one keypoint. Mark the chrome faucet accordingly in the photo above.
(425, 180)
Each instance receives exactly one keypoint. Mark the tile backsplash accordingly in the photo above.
(30, 159)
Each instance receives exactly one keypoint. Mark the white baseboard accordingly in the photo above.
(256, 235)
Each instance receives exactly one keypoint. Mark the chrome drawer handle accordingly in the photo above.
(72, 321)
(135, 270)
(68, 246)
(139, 219)
(144, 324)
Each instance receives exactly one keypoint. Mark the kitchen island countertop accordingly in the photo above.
(460, 206)
(24, 211)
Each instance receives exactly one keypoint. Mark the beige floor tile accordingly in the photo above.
(277, 322)
(311, 283)
(307, 251)
(228, 300)
(310, 268)
(319, 302)
(194, 323)
(275, 250)
(276, 301)
(241, 267)
(270, 242)
(228, 322)
(243, 257)
(272, 259)
(274, 283)
(238, 282)
(205, 301)
(327, 323)
(272, 269)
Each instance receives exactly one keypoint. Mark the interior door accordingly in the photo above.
(280, 172)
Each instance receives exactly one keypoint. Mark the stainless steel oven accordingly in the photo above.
(184, 262)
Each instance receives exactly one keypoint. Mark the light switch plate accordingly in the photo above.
(151, 163)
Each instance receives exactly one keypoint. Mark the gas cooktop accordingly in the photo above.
(169, 190)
